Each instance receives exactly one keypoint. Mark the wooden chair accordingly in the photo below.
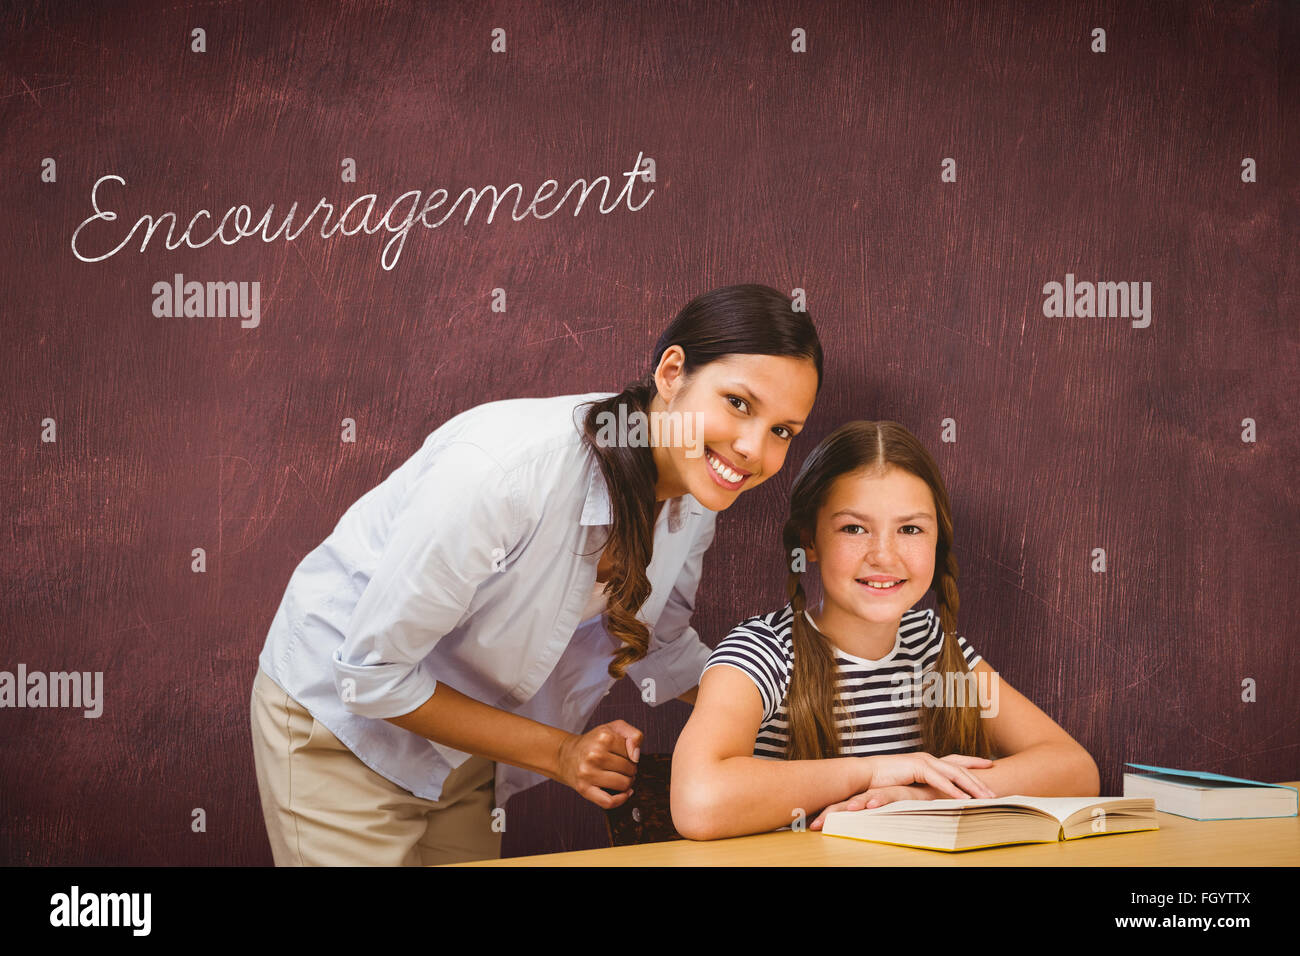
(645, 817)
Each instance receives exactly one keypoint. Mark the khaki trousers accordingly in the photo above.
(324, 807)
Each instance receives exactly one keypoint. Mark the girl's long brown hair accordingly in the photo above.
(734, 320)
(812, 700)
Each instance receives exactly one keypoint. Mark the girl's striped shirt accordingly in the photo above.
(877, 698)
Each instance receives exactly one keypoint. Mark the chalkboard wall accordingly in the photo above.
(923, 172)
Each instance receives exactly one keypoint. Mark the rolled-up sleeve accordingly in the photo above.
(677, 655)
(459, 520)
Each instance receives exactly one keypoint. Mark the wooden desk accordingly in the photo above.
(1178, 842)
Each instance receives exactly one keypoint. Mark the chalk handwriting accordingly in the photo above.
(237, 222)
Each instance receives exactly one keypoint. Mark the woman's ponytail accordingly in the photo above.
(630, 475)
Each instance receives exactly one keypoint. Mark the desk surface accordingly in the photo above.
(1178, 842)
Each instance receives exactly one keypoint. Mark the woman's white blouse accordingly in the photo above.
(597, 603)
(472, 564)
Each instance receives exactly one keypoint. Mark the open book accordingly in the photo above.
(995, 821)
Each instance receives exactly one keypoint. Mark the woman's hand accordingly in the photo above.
(604, 758)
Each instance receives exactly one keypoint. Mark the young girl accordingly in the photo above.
(447, 644)
(840, 707)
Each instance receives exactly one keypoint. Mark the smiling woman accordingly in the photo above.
(446, 645)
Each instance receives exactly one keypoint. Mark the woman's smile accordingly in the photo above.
(724, 472)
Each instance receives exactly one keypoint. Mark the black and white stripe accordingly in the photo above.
(872, 720)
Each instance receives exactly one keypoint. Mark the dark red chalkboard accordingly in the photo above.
(820, 170)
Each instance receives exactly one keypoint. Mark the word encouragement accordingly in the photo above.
(237, 223)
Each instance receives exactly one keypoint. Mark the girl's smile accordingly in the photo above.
(881, 583)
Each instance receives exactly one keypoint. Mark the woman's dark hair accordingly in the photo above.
(951, 728)
(734, 320)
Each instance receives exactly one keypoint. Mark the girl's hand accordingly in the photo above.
(604, 758)
(946, 775)
(878, 797)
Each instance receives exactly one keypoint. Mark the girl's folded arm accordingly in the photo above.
(719, 789)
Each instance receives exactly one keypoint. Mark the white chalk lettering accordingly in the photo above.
(237, 222)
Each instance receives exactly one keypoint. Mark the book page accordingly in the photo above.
(1061, 808)
(1064, 807)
